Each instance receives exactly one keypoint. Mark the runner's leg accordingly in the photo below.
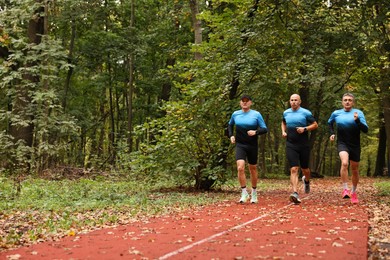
(355, 174)
(254, 174)
(344, 166)
(241, 173)
(294, 178)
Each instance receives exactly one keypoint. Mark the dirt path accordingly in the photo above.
(323, 226)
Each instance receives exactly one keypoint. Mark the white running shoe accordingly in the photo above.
(254, 197)
(244, 197)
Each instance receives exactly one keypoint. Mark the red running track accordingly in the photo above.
(319, 227)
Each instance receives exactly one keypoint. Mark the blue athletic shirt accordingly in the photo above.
(297, 118)
(245, 121)
(348, 130)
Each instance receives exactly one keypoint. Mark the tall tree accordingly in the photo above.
(34, 118)
(197, 26)
(130, 82)
(374, 59)
(22, 99)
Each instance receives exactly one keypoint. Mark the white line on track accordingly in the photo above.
(180, 250)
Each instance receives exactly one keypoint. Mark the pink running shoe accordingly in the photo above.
(354, 198)
(346, 194)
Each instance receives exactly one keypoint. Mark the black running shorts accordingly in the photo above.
(353, 152)
(298, 156)
(244, 152)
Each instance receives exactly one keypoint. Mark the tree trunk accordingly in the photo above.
(167, 86)
(196, 23)
(262, 150)
(384, 49)
(45, 159)
(386, 113)
(70, 61)
(381, 152)
(130, 93)
(112, 150)
(22, 97)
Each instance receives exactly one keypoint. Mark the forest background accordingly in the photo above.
(145, 88)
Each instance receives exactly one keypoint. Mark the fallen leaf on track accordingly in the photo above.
(13, 257)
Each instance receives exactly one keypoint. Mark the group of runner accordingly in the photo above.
(297, 122)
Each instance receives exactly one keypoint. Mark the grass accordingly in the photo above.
(47, 209)
(85, 195)
(383, 186)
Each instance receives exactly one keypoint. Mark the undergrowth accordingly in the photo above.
(383, 186)
(46, 209)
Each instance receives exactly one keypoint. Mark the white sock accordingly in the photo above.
(244, 190)
(345, 186)
(253, 190)
(354, 189)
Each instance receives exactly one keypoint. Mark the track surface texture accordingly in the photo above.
(323, 226)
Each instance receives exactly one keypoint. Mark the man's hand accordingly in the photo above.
(331, 138)
(300, 130)
(251, 132)
(355, 116)
(233, 140)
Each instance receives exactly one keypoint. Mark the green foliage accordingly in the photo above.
(68, 195)
(13, 155)
(272, 53)
(383, 187)
(40, 106)
(183, 149)
(73, 87)
(64, 207)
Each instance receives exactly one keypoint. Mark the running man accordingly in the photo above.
(297, 122)
(350, 122)
(249, 124)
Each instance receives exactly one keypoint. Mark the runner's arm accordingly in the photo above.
(261, 130)
(361, 122)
